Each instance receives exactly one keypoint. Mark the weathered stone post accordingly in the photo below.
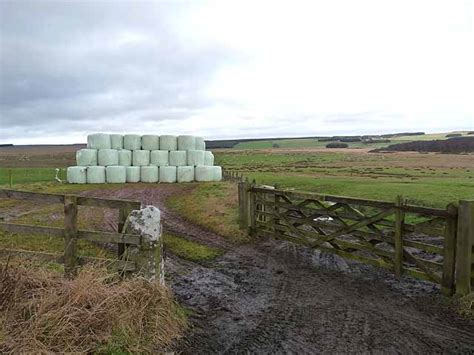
(148, 256)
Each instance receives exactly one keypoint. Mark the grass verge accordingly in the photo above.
(41, 312)
(190, 250)
(214, 206)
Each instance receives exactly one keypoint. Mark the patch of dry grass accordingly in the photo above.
(41, 311)
(213, 205)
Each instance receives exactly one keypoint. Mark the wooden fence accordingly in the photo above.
(426, 243)
(70, 232)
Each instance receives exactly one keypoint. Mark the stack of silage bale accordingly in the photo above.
(116, 158)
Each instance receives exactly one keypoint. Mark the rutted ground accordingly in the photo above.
(274, 297)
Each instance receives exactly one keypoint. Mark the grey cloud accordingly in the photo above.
(63, 65)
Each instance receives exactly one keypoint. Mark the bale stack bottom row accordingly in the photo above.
(117, 174)
(114, 158)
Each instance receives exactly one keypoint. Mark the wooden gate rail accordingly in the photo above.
(70, 233)
(427, 243)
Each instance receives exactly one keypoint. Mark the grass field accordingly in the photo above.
(426, 179)
(314, 143)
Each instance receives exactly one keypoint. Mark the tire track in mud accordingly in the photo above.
(273, 297)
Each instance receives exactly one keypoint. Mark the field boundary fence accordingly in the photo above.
(431, 244)
(71, 234)
(15, 176)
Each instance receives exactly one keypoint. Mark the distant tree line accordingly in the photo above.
(454, 145)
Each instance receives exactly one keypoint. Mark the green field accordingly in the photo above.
(426, 179)
(314, 143)
(28, 175)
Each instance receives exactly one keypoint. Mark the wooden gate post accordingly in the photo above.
(251, 208)
(464, 243)
(70, 235)
(447, 282)
(242, 191)
(399, 222)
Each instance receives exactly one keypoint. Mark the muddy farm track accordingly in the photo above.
(273, 297)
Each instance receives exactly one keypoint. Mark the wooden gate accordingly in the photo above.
(411, 240)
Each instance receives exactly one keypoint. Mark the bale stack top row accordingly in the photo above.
(148, 158)
(145, 142)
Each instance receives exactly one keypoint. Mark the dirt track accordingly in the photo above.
(272, 297)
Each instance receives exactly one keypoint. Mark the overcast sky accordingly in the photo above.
(234, 69)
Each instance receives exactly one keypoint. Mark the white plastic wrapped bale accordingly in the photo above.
(185, 173)
(125, 157)
(116, 141)
(86, 157)
(132, 173)
(195, 157)
(208, 158)
(208, 173)
(200, 144)
(217, 173)
(149, 173)
(77, 174)
(141, 157)
(186, 142)
(168, 142)
(159, 158)
(98, 141)
(108, 157)
(96, 175)
(132, 142)
(178, 158)
(116, 174)
(150, 142)
(167, 174)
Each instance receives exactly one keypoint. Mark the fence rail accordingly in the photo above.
(70, 232)
(426, 243)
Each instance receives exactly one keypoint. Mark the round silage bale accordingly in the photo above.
(185, 173)
(141, 158)
(208, 158)
(200, 144)
(98, 141)
(116, 174)
(168, 142)
(77, 174)
(150, 142)
(208, 173)
(116, 141)
(186, 142)
(217, 173)
(96, 175)
(86, 157)
(132, 173)
(159, 158)
(178, 158)
(149, 173)
(132, 142)
(195, 157)
(107, 157)
(167, 174)
(125, 157)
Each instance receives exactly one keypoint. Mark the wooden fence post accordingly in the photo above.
(123, 214)
(464, 243)
(242, 189)
(10, 177)
(70, 235)
(251, 208)
(447, 282)
(399, 221)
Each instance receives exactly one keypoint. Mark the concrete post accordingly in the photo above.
(148, 256)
